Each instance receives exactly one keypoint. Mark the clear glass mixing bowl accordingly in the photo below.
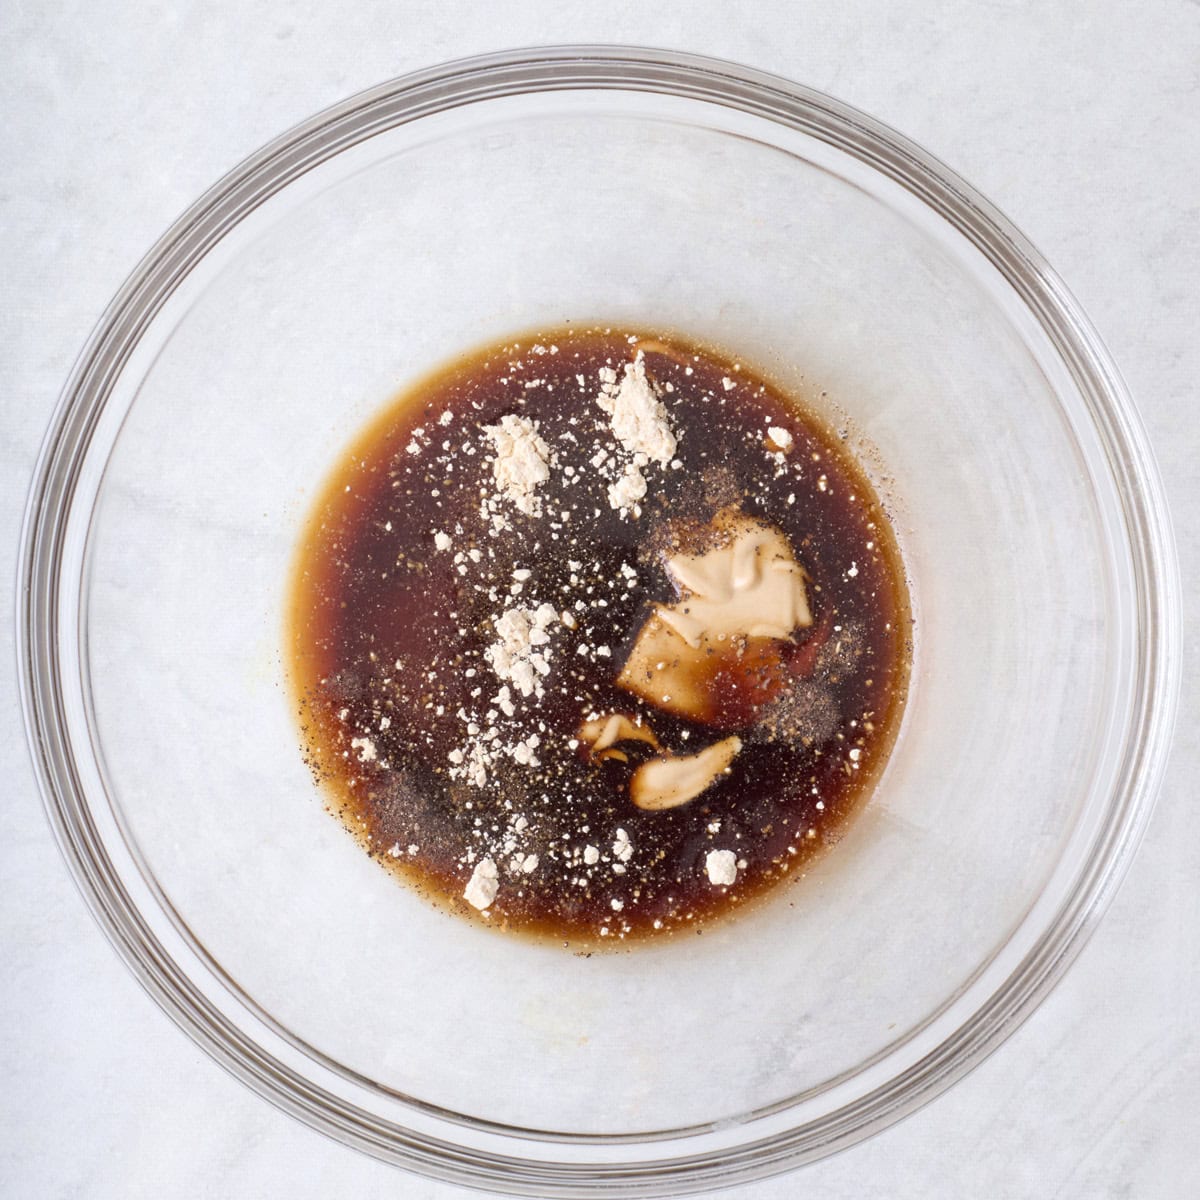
(655, 190)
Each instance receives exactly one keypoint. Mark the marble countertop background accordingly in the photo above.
(1081, 121)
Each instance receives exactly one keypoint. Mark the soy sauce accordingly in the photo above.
(411, 555)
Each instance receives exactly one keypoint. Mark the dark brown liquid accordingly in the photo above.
(389, 634)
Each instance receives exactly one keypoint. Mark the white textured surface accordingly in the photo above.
(1079, 121)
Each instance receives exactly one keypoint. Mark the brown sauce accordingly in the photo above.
(412, 555)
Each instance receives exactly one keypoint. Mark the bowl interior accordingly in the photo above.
(661, 213)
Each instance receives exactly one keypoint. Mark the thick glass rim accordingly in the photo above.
(44, 684)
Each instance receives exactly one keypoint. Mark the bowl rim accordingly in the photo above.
(1146, 525)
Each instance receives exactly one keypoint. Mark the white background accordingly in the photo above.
(1081, 121)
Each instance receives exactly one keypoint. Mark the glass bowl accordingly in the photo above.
(653, 190)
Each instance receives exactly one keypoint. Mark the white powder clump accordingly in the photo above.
(721, 866)
(780, 436)
(483, 885)
(521, 462)
(472, 764)
(365, 748)
(442, 540)
(521, 652)
(628, 490)
(636, 415)
(622, 847)
(591, 855)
